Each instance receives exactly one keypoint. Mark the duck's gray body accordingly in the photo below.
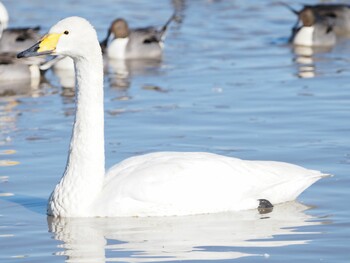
(16, 39)
(315, 30)
(144, 43)
(318, 35)
(338, 13)
(17, 78)
(139, 43)
(323, 35)
(15, 73)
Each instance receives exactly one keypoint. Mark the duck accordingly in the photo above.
(339, 13)
(152, 184)
(15, 39)
(17, 76)
(315, 31)
(139, 43)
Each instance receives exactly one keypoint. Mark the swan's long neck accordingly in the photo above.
(83, 178)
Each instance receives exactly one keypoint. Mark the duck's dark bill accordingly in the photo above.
(33, 51)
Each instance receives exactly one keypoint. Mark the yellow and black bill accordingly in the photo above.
(46, 46)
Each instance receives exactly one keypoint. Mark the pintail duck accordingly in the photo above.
(339, 14)
(315, 30)
(15, 39)
(15, 73)
(139, 43)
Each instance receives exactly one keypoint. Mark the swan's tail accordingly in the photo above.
(283, 192)
(327, 175)
(320, 175)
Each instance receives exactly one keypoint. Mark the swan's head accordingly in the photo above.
(72, 36)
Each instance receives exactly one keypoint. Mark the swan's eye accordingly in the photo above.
(66, 32)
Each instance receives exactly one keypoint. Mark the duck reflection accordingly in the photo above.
(197, 237)
(120, 72)
(305, 59)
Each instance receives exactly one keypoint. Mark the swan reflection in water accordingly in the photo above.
(305, 59)
(198, 237)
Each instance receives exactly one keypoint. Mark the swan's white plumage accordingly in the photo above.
(182, 183)
(156, 184)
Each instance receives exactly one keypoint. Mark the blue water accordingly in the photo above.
(228, 84)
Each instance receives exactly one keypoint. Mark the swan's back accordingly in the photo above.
(181, 183)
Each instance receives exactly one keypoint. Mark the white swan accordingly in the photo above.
(156, 184)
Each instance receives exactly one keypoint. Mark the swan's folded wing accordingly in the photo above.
(191, 183)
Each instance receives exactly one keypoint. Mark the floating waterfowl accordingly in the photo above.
(15, 75)
(339, 14)
(155, 184)
(140, 43)
(15, 39)
(315, 31)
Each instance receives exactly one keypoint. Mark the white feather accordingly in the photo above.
(156, 184)
(304, 36)
(117, 48)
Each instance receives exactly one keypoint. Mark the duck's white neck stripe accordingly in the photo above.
(304, 36)
(117, 48)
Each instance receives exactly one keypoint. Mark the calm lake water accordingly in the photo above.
(228, 84)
